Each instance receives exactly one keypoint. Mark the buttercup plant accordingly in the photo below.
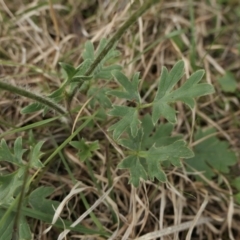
(147, 142)
(142, 162)
(145, 162)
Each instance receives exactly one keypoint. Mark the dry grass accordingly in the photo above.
(36, 35)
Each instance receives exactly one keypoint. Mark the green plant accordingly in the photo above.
(211, 155)
(148, 144)
(145, 153)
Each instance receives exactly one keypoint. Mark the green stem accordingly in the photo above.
(16, 223)
(147, 105)
(113, 40)
(193, 40)
(41, 99)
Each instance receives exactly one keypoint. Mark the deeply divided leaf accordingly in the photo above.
(172, 153)
(99, 97)
(186, 93)
(150, 160)
(131, 92)
(104, 68)
(159, 135)
(136, 169)
(9, 184)
(13, 157)
(129, 118)
(211, 154)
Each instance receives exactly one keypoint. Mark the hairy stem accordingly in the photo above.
(41, 99)
(113, 40)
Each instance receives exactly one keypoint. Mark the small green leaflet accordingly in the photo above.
(145, 164)
(101, 71)
(134, 163)
(129, 118)
(129, 115)
(68, 71)
(131, 92)
(37, 200)
(88, 52)
(16, 156)
(136, 169)
(228, 82)
(80, 71)
(9, 184)
(160, 135)
(186, 93)
(211, 154)
(7, 155)
(172, 153)
(35, 154)
(85, 149)
(236, 183)
(33, 107)
(99, 97)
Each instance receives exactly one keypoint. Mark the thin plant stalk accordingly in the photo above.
(41, 99)
(112, 42)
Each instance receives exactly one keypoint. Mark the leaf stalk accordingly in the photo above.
(41, 99)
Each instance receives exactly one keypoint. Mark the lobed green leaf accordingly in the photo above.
(171, 153)
(129, 119)
(37, 200)
(186, 93)
(8, 156)
(84, 149)
(211, 154)
(33, 107)
(131, 92)
(135, 168)
(151, 160)
(68, 70)
(9, 184)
